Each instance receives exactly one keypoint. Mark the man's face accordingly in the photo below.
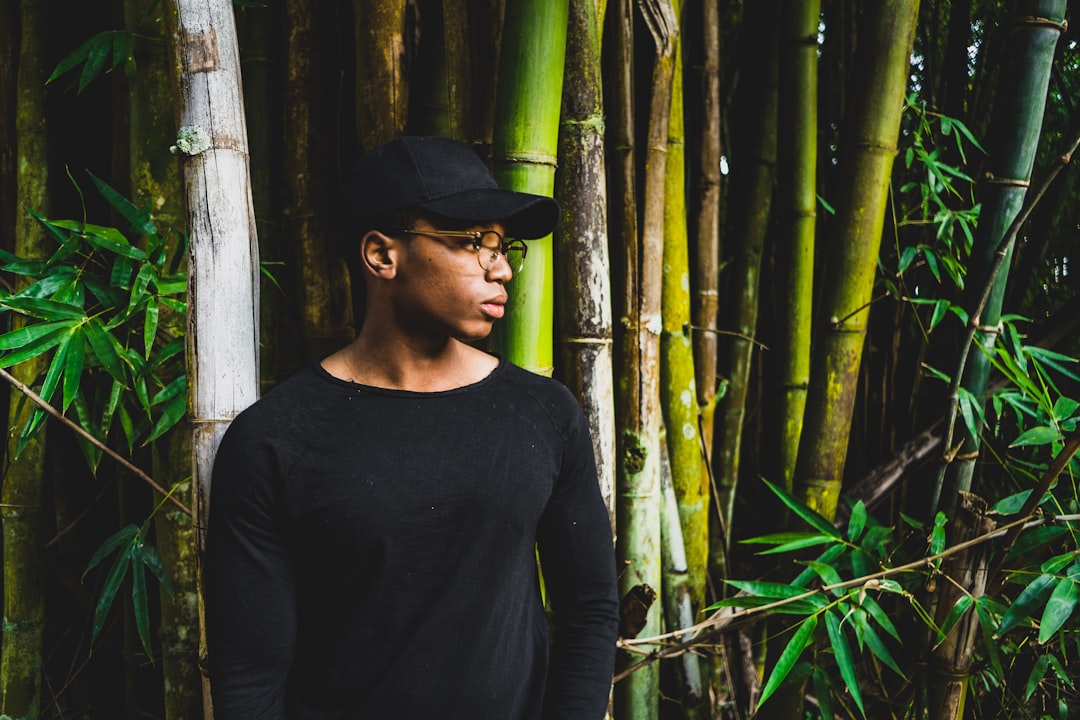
(441, 287)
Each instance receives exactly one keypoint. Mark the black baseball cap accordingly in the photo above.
(447, 178)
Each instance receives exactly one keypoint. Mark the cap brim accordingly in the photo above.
(523, 215)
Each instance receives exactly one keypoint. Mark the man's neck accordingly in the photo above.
(398, 365)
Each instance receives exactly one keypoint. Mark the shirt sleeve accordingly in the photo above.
(249, 582)
(577, 559)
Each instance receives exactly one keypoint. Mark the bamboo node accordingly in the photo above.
(991, 179)
(587, 340)
(1034, 21)
(968, 456)
(527, 158)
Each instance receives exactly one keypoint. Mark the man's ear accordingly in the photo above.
(378, 254)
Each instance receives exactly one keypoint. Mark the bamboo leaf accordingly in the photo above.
(20, 337)
(43, 308)
(103, 345)
(1060, 671)
(139, 604)
(1058, 608)
(873, 641)
(857, 521)
(878, 614)
(986, 626)
(766, 589)
(804, 606)
(844, 660)
(108, 592)
(124, 535)
(1029, 599)
(174, 411)
(139, 219)
(1039, 435)
(1038, 671)
(151, 559)
(790, 655)
(831, 555)
(826, 572)
(809, 516)
(103, 238)
(42, 345)
(150, 324)
(73, 367)
(138, 288)
(810, 540)
(823, 689)
(963, 604)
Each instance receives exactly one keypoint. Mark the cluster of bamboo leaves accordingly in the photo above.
(95, 307)
(835, 599)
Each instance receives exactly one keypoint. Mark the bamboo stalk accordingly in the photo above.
(797, 201)
(582, 273)
(22, 489)
(223, 261)
(155, 176)
(640, 496)
(381, 92)
(678, 394)
(524, 157)
(706, 222)
(322, 282)
(1014, 142)
(757, 167)
(866, 163)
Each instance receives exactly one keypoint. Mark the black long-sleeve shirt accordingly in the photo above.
(371, 553)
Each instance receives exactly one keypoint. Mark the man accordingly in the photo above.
(375, 519)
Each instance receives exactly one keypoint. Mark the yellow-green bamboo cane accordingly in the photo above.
(797, 203)
(23, 481)
(582, 267)
(678, 394)
(867, 153)
(524, 151)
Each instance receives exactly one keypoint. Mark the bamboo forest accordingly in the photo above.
(813, 285)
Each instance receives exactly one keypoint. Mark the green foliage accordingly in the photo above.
(134, 557)
(110, 48)
(95, 304)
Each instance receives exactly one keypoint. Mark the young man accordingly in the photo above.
(375, 519)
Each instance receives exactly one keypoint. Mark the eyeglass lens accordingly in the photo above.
(492, 247)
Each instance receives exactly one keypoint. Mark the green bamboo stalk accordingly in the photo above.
(524, 158)
(639, 525)
(706, 213)
(429, 82)
(678, 594)
(22, 488)
(582, 274)
(868, 150)
(678, 393)
(457, 50)
(323, 287)
(381, 92)
(797, 202)
(155, 178)
(757, 167)
(1015, 129)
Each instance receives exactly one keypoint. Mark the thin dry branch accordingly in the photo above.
(25, 390)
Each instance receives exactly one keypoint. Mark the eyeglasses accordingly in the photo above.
(489, 246)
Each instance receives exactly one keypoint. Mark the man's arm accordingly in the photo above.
(577, 559)
(250, 599)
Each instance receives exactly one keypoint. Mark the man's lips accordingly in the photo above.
(494, 308)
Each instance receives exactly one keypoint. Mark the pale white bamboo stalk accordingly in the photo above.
(223, 256)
